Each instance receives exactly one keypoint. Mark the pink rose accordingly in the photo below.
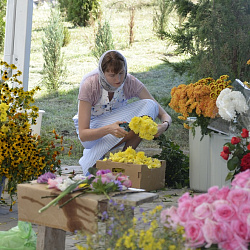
(169, 217)
(193, 233)
(218, 194)
(223, 210)
(53, 183)
(238, 196)
(203, 211)
(209, 232)
(223, 232)
(185, 210)
(234, 243)
(241, 179)
(244, 212)
(201, 198)
(186, 196)
(240, 229)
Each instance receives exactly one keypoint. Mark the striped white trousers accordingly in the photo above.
(95, 150)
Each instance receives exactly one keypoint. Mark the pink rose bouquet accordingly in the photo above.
(219, 217)
(237, 154)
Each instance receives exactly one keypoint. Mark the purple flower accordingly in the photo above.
(44, 177)
(105, 215)
(122, 207)
(118, 184)
(101, 172)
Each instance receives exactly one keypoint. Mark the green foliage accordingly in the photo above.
(161, 16)
(79, 12)
(103, 40)
(177, 163)
(66, 36)
(2, 23)
(216, 36)
(53, 67)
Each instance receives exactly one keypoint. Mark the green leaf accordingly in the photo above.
(230, 175)
(233, 163)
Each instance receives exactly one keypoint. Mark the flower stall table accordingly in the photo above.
(79, 214)
(206, 167)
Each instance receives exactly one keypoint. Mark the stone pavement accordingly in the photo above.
(166, 198)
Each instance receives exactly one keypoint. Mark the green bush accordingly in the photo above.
(177, 163)
(103, 40)
(2, 23)
(79, 12)
(53, 67)
(216, 36)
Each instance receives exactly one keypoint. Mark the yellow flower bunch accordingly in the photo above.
(144, 126)
(23, 156)
(131, 156)
(198, 98)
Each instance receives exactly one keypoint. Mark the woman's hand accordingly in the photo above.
(162, 128)
(116, 130)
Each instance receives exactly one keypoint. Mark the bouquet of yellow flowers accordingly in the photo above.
(144, 126)
(198, 100)
(23, 156)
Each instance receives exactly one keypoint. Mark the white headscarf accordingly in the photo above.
(103, 81)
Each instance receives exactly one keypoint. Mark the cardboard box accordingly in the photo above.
(79, 214)
(76, 215)
(140, 175)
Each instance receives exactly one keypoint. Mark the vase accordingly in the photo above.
(206, 167)
(2, 184)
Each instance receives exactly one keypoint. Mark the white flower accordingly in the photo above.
(67, 182)
(230, 103)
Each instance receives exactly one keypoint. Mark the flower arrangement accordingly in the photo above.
(103, 182)
(23, 156)
(239, 152)
(198, 100)
(219, 218)
(144, 126)
(230, 103)
(131, 156)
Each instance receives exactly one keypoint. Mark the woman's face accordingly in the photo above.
(113, 79)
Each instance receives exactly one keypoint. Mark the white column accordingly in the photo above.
(18, 36)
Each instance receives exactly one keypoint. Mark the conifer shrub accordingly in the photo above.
(103, 40)
(66, 36)
(53, 67)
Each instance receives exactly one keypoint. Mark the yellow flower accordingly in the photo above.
(144, 126)
(130, 155)
(248, 62)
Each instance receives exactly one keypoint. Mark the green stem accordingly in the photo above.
(68, 190)
(72, 198)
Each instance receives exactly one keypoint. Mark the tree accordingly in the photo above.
(79, 12)
(215, 35)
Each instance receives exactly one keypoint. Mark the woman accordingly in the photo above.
(103, 106)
